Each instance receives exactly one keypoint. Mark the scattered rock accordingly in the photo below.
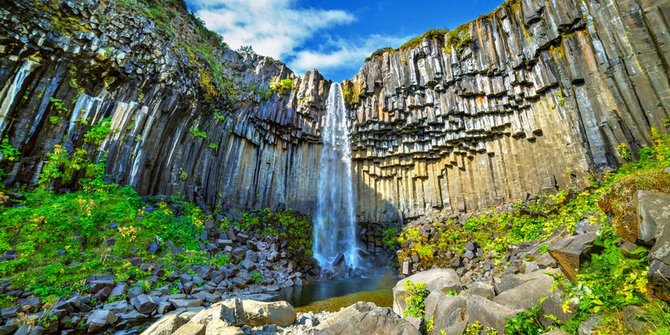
(144, 304)
(99, 320)
(166, 325)
(365, 318)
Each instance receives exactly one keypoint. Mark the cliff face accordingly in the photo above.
(534, 96)
(64, 66)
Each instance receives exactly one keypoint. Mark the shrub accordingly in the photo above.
(8, 152)
(416, 298)
(281, 86)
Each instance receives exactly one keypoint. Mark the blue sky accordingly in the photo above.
(333, 36)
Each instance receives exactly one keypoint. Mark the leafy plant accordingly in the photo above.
(257, 277)
(624, 152)
(526, 322)
(197, 133)
(8, 152)
(416, 298)
(281, 86)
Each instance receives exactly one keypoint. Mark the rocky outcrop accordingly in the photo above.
(366, 318)
(225, 317)
(534, 96)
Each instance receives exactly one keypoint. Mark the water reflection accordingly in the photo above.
(331, 295)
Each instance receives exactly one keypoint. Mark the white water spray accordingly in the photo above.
(335, 220)
(9, 93)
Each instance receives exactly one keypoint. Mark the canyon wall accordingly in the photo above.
(64, 66)
(533, 97)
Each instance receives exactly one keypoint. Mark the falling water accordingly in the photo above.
(335, 221)
(10, 92)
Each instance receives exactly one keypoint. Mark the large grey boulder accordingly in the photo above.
(191, 328)
(532, 287)
(258, 313)
(441, 280)
(653, 214)
(144, 304)
(166, 325)
(220, 327)
(100, 319)
(488, 313)
(368, 319)
(653, 210)
(572, 251)
(449, 314)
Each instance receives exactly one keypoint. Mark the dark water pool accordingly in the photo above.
(332, 295)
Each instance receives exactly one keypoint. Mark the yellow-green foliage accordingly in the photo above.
(281, 86)
(459, 38)
(416, 298)
(437, 34)
(379, 52)
(352, 93)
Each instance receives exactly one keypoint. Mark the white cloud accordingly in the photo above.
(343, 54)
(272, 27)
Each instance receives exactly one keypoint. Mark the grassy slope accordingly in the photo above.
(610, 282)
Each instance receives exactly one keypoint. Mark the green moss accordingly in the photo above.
(352, 93)
(281, 86)
(379, 52)
(459, 38)
(437, 34)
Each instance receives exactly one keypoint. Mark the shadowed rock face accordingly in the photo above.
(256, 151)
(539, 99)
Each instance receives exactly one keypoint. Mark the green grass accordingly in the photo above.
(60, 238)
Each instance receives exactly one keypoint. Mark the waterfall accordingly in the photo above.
(335, 220)
(9, 93)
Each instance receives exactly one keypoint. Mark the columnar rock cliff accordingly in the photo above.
(64, 66)
(530, 98)
(534, 96)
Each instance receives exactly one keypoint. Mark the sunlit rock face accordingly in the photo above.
(538, 99)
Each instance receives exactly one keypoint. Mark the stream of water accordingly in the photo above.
(335, 219)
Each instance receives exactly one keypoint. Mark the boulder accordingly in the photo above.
(488, 313)
(365, 318)
(258, 313)
(220, 327)
(166, 325)
(441, 280)
(553, 305)
(144, 304)
(654, 224)
(532, 288)
(653, 214)
(572, 251)
(99, 320)
(479, 288)
(191, 328)
(448, 313)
